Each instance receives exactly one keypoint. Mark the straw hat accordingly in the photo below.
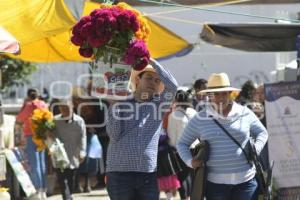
(135, 73)
(218, 83)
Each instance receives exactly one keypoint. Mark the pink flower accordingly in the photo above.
(87, 53)
(137, 55)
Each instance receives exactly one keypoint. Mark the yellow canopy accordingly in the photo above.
(43, 28)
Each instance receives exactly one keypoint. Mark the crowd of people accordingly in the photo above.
(144, 142)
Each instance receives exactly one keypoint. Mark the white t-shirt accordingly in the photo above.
(177, 121)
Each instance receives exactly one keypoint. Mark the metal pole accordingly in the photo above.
(298, 57)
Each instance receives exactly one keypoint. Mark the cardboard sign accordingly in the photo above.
(283, 124)
(19, 171)
(111, 82)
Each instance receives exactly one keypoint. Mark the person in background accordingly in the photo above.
(36, 159)
(93, 111)
(259, 97)
(199, 98)
(90, 111)
(101, 114)
(259, 110)
(167, 162)
(246, 95)
(182, 113)
(230, 175)
(97, 123)
(45, 95)
(71, 131)
(134, 127)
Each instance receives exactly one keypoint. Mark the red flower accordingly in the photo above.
(111, 30)
(87, 30)
(127, 21)
(137, 55)
(105, 20)
(143, 62)
(77, 28)
(87, 53)
(77, 40)
(95, 41)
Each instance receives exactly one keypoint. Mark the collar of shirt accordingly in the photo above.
(234, 112)
(67, 120)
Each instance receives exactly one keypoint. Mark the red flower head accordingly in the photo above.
(137, 55)
(87, 53)
(77, 40)
(95, 41)
(142, 63)
(112, 31)
(127, 21)
(87, 30)
(104, 20)
(77, 28)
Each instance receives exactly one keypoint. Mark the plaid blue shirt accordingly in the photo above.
(134, 136)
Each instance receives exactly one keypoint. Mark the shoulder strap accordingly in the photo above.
(184, 113)
(232, 138)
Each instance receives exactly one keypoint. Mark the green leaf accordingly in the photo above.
(15, 72)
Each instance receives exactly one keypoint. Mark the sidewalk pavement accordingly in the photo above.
(97, 194)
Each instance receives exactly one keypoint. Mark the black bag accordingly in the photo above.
(201, 153)
(263, 177)
(168, 162)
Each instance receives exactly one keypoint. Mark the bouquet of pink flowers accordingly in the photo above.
(113, 33)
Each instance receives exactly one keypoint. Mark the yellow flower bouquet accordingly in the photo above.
(42, 124)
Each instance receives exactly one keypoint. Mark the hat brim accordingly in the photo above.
(225, 89)
(134, 75)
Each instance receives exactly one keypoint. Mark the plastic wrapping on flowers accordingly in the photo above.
(58, 153)
(113, 34)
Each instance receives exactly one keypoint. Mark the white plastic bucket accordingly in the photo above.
(111, 81)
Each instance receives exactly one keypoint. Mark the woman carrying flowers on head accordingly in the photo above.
(36, 158)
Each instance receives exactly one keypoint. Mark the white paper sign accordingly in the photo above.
(283, 124)
(20, 173)
(111, 82)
